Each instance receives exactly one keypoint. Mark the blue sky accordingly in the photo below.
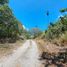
(32, 13)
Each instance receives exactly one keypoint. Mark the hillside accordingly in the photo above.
(53, 43)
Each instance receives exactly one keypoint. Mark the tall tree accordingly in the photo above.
(35, 32)
(8, 23)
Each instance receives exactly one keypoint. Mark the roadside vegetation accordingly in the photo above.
(12, 33)
(10, 27)
(53, 42)
(57, 31)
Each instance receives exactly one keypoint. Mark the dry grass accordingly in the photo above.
(40, 44)
(45, 46)
(7, 48)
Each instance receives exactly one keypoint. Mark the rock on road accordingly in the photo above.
(25, 56)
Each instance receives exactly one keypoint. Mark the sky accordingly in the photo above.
(32, 13)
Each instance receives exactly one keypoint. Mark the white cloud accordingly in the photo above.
(24, 27)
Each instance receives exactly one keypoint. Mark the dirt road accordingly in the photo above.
(25, 56)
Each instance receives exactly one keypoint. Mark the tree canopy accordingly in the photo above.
(3, 2)
(57, 29)
(63, 10)
(9, 25)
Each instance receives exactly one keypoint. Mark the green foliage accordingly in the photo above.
(9, 25)
(3, 1)
(63, 10)
(25, 34)
(57, 29)
(64, 36)
(5, 14)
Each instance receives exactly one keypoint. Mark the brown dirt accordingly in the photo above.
(45, 46)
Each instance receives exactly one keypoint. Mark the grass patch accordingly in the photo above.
(7, 48)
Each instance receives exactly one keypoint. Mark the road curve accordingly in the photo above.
(25, 56)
